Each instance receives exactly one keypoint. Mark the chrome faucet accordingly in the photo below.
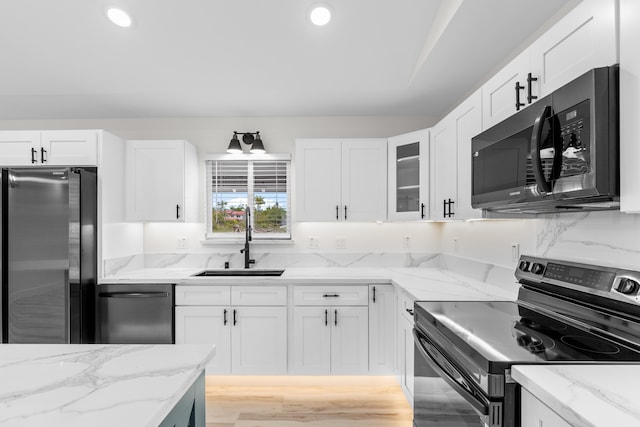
(247, 257)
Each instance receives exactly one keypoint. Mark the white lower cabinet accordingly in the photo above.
(248, 325)
(206, 325)
(330, 340)
(534, 413)
(404, 343)
(330, 330)
(333, 329)
(259, 340)
(381, 330)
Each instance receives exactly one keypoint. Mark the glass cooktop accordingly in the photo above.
(496, 335)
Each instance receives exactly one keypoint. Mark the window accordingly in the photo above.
(261, 183)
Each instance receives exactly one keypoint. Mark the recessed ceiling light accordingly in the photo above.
(320, 15)
(119, 17)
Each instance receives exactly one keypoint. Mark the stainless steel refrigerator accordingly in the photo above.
(49, 254)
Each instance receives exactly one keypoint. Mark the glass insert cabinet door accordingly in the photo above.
(408, 176)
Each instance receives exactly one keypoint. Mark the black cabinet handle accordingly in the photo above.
(235, 320)
(409, 311)
(331, 295)
(337, 212)
(374, 294)
(335, 317)
(530, 96)
(326, 317)
(446, 208)
(224, 313)
(345, 212)
(33, 155)
(518, 103)
(43, 158)
(177, 211)
(422, 210)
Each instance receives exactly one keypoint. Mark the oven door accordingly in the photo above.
(448, 399)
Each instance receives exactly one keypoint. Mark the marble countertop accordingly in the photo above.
(95, 385)
(585, 395)
(421, 283)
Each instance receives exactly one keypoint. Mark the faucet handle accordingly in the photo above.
(252, 261)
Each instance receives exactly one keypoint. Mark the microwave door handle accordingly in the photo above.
(557, 145)
(536, 140)
(475, 398)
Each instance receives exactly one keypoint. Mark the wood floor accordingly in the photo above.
(306, 402)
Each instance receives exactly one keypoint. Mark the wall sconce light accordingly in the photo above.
(248, 138)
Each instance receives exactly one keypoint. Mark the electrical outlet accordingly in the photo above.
(341, 243)
(181, 243)
(314, 242)
(456, 245)
(515, 252)
(406, 242)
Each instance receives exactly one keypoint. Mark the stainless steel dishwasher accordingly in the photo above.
(136, 313)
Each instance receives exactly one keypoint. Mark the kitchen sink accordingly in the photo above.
(240, 273)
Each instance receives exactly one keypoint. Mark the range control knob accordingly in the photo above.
(524, 266)
(628, 286)
(537, 268)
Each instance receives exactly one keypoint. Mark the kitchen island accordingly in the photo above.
(101, 385)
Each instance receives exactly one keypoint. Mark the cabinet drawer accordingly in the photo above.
(203, 295)
(406, 306)
(331, 295)
(258, 295)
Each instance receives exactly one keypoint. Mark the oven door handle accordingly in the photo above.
(475, 397)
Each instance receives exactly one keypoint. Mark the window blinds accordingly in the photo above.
(263, 185)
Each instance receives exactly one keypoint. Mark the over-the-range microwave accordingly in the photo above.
(561, 154)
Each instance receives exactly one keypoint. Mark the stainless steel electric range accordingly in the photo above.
(566, 312)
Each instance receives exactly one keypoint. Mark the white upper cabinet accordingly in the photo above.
(64, 147)
(318, 181)
(341, 180)
(443, 170)
(161, 181)
(583, 39)
(451, 161)
(629, 106)
(408, 193)
(467, 118)
(55, 148)
(503, 91)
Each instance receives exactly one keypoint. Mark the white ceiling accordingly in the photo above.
(225, 58)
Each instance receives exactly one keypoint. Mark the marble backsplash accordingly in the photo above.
(477, 270)
(271, 260)
(602, 238)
